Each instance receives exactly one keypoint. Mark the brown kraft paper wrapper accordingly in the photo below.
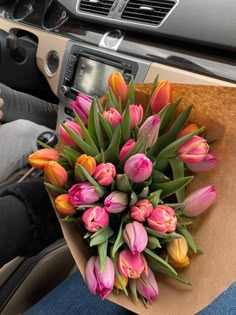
(215, 234)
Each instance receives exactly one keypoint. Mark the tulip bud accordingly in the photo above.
(188, 129)
(113, 116)
(141, 210)
(162, 219)
(177, 265)
(150, 128)
(55, 173)
(135, 236)
(41, 157)
(193, 150)
(124, 281)
(177, 249)
(136, 115)
(147, 286)
(95, 218)
(161, 96)
(104, 173)
(131, 266)
(88, 162)
(118, 86)
(116, 202)
(82, 107)
(199, 201)
(100, 282)
(207, 164)
(73, 126)
(63, 204)
(83, 194)
(126, 148)
(138, 168)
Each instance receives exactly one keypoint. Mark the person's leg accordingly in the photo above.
(28, 222)
(18, 105)
(73, 297)
(17, 142)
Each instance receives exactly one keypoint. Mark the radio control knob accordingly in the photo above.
(65, 89)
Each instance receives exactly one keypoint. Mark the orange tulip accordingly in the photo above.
(188, 129)
(124, 281)
(63, 204)
(178, 249)
(41, 157)
(118, 86)
(55, 173)
(161, 96)
(88, 162)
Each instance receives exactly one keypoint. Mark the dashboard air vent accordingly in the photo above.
(148, 11)
(101, 7)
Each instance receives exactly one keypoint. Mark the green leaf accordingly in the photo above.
(148, 111)
(118, 275)
(144, 193)
(112, 101)
(86, 148)
(102, 253)
(96, 123)
(133, 289)
(177, 167)
(154, 197)
(86, 175)
(112, 152)
(56, 189)
(153, 242)
(103, 236)
(166, 139)
(123, 183)
(119, 241)
(133, 199)
(70, 219)
(189, 238)
(171, 187)
(131, 92)
(169, 115)
(159, 177)
(125, 124)
(155, 233)
(160, 260)
(107, 127)
(71, 155)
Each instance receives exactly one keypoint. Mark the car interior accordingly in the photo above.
(61, 48)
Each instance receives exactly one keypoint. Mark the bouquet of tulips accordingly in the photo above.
(122, 173)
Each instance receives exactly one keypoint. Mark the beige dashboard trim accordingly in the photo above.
(46, 42)
(175, 75)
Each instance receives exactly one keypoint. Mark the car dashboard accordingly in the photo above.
(80, 42)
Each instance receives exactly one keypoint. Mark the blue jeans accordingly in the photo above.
(72, 297)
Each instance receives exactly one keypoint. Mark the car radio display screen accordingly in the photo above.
(91, 76)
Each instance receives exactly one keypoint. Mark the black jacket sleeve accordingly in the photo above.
(27, 220)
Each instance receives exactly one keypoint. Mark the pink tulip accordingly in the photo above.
(193, 150)
(118, 86)
(82, 107)
(136, 115)
(141, 210)
(207, 164)
(64, 135)
(147, 286)
(138, 168)
(162, 219)
(104, 173)
(55, 173)
(95, 218)
(135, 236)
(199, 201)
(100, 282)
(150, 128)
(126, 148)
(161, 96)
(131, 266)
(113, 116)
(116, 202)
(83, 194)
